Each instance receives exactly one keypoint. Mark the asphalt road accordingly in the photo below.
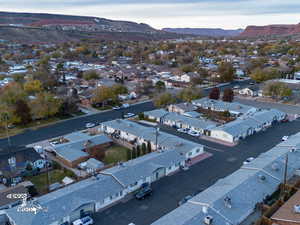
(67, 126)
(290, 109)
(169, 190)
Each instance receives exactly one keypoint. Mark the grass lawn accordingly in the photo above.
(40, 181)
(115, 154)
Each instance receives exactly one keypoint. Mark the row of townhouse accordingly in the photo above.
(235, 108)
(231, 132)
(137, 134)
(233, 199)
(172, 119)
(72, 202)
(245, 126)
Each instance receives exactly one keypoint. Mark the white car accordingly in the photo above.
(183, 130)
(194, 133)
(236, 87)
(125, 106)
(84, 221)
(129, 115)
(284, 138)
(249, 160)
(116, 108)
(90, 125)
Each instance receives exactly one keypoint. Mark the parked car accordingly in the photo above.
(84, 221)
(129, 115)
(125, 106)
(144, 192)
(183, 130)
(284, 138)
(184, 168)
(116, 108)
(90, 125)
(184, 200)
(193, 133)
(247, 161)
(236, 87)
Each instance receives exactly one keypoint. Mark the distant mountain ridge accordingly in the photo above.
(36, 26)
(213, 32)
(271, 30)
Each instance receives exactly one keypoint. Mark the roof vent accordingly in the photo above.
(204, 209)
(262, 177)
(275, 167)
(208, 220)
(227, 202)
(297, 208)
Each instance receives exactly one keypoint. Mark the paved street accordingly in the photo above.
(290, 109)
(169, 190)
(68, 126)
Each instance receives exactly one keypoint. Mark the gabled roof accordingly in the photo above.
(165, 140)
(134, 170)
(62, 202)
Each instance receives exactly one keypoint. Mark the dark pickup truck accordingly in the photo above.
(144, 192)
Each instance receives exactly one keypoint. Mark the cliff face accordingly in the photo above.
(257, 31)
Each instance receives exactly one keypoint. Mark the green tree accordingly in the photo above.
(149, 149)
(103, 94)
(33, 86)
(22, 111)
(45, 105)
(277, 90)
(189, 94)
(134, 153)
(91, 75)
(160, 86)
(138, 151)
(119, 89)
(164, 99)
(128, 154)
(226, 72)
(144, 149)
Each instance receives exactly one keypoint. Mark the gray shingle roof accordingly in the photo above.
(142, 167)
(62, 202)
(74, 150)
(165, 140)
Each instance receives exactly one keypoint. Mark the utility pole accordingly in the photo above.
(285, 176)
(156, 138)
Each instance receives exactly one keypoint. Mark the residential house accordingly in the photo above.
(180, 121)
(246, 125)
(146, 169)
(249, 91)
(234, 108)
(137, 134)
(77, 147)
(289, 213)
(15, 160)
(182, 108)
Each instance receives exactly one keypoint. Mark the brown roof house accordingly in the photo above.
(289, 213)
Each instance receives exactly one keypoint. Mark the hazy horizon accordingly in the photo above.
(171, 14)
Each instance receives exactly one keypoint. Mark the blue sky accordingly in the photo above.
(171, 13)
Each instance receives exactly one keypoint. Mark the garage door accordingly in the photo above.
(82, 211)
(159, 173)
